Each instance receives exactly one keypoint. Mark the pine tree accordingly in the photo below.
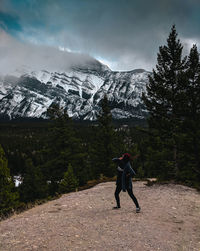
(104, 145)
(64, 148)
(191, 113)
(8, 195)
(69, 182)
(164, 98)
(34, 185)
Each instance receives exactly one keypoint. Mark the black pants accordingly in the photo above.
(130, 192)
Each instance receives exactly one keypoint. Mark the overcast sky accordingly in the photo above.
(124, 34)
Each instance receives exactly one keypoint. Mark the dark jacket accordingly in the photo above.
(124, 174)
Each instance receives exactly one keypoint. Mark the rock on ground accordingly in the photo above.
(169, 220)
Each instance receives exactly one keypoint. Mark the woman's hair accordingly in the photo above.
(126, 156)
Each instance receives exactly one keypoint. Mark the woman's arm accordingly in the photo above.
(116, 161)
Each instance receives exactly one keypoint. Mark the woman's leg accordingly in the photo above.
(130, 192)
(117, 191)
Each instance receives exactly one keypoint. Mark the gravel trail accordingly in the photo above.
(169, 221)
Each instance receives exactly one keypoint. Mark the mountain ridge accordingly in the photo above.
(79, 90)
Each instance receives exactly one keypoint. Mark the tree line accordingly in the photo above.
(62, 156)
(57, 157)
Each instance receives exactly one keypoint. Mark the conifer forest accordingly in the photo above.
(60, 155)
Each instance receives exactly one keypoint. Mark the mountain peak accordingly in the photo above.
(92, 65)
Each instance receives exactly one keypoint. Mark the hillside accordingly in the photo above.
(85, 221)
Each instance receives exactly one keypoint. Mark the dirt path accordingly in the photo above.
(170, 220)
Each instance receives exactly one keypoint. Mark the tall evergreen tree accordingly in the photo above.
(64, 148)
(104, 145)
(8, 195)
(34, 185)
(164, 98)
(191, 112)
(59, 145)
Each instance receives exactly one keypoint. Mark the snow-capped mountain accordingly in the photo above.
(79, 90)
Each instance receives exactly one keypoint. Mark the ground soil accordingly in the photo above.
(169, 220)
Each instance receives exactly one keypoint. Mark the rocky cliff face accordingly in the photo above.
(79, 90)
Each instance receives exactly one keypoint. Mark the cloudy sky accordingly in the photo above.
(124, 34)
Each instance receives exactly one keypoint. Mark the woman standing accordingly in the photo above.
(125, 174)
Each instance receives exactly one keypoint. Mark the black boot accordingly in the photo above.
(117, 207)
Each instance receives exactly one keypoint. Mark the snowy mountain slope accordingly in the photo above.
(79, 90)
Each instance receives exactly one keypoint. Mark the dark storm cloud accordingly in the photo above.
(16, 55)
(125, 32)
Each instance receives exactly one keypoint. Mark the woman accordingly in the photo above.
(125, 174)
